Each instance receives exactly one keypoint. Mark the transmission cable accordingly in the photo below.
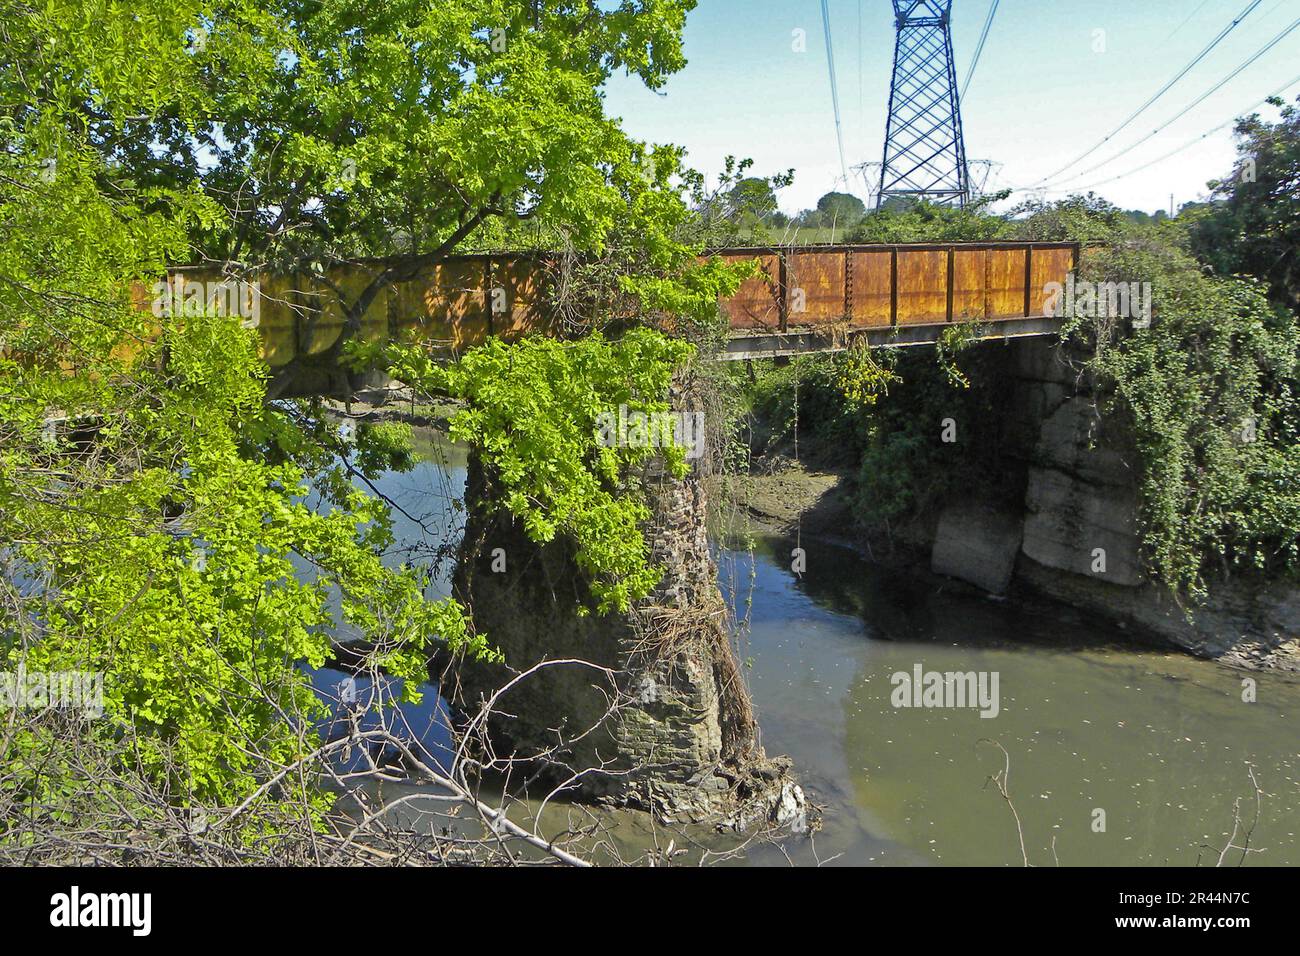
(1161, 92)
(1191, 16)
(979, 48)
(835, 91)
(1197, 102)
(1174, 152)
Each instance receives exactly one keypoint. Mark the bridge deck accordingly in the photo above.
(803, 298)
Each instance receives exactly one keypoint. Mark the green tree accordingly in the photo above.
(1253, 225)
(928, 222)
(332, 131)
(738, 206)
(754, 197)
(153, 516)
(841, 210)
(152, 512)
(1076, 218)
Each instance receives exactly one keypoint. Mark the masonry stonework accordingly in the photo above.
(657, 716)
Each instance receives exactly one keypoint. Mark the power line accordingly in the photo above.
(862, 113)
(979, 48)
(835, 92)
(1191, 16)
(1197, 102)
(1162, 91)
(1174, 152)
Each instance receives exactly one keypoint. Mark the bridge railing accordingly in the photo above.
(465, 299)
(877, 286)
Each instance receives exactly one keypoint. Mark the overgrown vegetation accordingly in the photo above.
(879, 414)
(533, 411)
(1211, 392)
(1208, 391)
(154, 525)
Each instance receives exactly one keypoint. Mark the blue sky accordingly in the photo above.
(1042, 94)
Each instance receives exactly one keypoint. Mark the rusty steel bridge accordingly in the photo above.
(803, 299)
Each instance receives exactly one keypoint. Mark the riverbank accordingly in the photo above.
(1090, 718)
(1251, 625)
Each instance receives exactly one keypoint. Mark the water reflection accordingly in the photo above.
(1159, 742)
(425, 725)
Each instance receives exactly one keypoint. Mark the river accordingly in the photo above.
(1118, 754)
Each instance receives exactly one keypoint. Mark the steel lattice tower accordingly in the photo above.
(925, 154)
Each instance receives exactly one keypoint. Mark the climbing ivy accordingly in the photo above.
(533, 411)
(1212, 392)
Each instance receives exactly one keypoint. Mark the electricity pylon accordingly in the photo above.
(925, 154)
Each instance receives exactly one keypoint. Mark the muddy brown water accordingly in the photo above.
(1118, 754)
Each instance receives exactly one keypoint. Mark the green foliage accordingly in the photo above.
(879, 411)
(333, 129)
(1212, 391)
(1254, 225)
(864, 375)
(177, 578)
(807, 397)
(906, 470)
(841, 209)
(162, 534)
(1074, 219)
(754, 201)
(954, 340)
(927, 222)
(737, 208)
(533, 412)
(153, 515)
(688, 298)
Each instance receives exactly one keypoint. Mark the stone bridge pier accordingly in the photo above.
(668, 725)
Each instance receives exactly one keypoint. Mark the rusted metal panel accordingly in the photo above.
(277, 319)
(463, 300)
(449, 305)
(514, 297)
(1049, 265)
(872, 284)
(816, 284)
(324, 297)
(319, 325)
(922, 286)
(1005, 284)
(756, 303)
(970, 284)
